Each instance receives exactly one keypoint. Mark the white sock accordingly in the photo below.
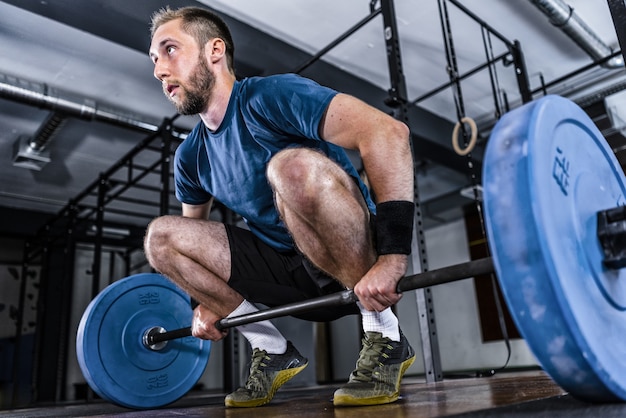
(262, 335)
(384, 322)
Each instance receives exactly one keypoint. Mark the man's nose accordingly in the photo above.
(160, 71)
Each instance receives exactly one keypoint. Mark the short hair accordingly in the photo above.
(200, 23)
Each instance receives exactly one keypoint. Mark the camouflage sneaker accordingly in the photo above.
(379, 370)
(268, 372)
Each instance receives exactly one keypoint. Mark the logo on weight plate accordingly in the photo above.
(157, 382)
(560, 171)
(149, 298)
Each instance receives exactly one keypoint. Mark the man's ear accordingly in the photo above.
(215, 50)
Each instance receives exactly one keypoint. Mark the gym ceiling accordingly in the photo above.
(62, 55)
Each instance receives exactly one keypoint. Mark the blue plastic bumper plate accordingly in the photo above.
(547, 172)
(112, 356)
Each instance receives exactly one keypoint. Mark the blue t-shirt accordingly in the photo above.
(264, 116)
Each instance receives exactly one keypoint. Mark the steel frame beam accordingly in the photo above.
(399, 99)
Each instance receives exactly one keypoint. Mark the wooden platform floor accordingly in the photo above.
(522, 394)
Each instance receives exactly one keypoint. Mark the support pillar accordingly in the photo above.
(399, 101)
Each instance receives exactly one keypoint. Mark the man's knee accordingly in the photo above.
(157, 238)
(300, 176)
(293, 166)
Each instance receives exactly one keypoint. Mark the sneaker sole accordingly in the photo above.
(281, 378)
(347, 400)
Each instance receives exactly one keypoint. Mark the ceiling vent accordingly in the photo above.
(25, 156)
(32, 153)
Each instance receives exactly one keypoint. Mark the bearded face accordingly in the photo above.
(196, 92)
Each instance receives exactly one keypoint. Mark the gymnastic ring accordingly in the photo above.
(473, 137)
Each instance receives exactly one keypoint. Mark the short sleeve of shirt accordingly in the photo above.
(284, 100)
(188, 187)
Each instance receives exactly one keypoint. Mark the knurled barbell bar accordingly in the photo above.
(154, 336)
(553, 199)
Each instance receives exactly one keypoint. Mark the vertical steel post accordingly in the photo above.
(67, 281)
(17, 353)
(166, 158)
(520, 72)
(399, 100)
(618, 14)
(103, 187)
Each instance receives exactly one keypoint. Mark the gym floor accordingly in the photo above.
(518, 394)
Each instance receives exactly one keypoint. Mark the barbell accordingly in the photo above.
(553, 197)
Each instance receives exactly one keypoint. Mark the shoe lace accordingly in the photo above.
(255, 380)
(369, 358)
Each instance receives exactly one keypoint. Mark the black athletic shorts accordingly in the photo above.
(263, 275)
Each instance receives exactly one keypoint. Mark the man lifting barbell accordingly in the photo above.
(270, 149)
(553, 199)
(558, 253)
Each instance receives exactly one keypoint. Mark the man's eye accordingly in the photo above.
(169, 50)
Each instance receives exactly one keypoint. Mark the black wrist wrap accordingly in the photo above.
(394, 227)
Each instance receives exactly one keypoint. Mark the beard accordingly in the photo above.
(197, 91)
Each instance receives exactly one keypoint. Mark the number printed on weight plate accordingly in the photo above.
(149, 298)
(560, 171)
(156, 382)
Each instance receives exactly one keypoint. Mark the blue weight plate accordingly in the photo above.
(111, 354)
(547, 172)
